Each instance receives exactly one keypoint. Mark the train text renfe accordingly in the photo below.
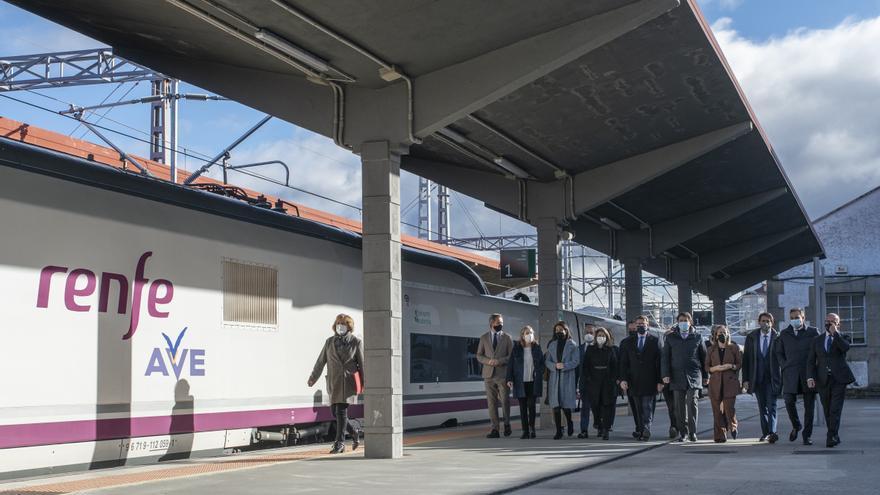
(73, 292)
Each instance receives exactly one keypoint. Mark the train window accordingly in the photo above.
(250, 293)
(443, 358)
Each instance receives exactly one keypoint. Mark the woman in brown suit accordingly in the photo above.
(723, 362)
(343, 354)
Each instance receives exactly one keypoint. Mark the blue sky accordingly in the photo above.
(808, 67)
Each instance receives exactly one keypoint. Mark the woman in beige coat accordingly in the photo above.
(723, 363)
(343, 353)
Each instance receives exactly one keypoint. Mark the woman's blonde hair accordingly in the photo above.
(522, 334)
(344, 319)
(718, 328)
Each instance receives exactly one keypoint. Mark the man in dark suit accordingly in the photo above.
(639, 367)
(761, 374)
(682, 367)
(493, 352)
(827, 368)
(792, 349)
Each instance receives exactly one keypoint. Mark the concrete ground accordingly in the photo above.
(461, 460)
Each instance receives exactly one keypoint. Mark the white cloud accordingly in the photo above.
(36, 35)
(815, 92)
(722, 4)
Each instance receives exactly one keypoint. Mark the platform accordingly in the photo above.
(462, 461)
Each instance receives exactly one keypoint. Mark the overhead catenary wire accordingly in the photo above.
(195, 155)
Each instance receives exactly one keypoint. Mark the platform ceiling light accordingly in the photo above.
(389, 74)
(511, 167)
(611, 223)
(449, 133)
(279, 43)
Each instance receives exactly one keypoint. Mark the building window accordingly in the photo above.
(851, 309)
(250, 294)
(443, 358)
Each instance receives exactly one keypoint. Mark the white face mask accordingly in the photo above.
(588, 338)
(795, 323)
(601, 340)
(683, 326)
(528, 338)
(341, 329)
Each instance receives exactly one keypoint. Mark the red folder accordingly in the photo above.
(358, 382)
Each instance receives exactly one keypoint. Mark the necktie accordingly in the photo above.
(827, 344)
(494, 340)
(764, 345)
(641, 343)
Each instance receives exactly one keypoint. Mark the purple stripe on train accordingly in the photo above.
(31, 434)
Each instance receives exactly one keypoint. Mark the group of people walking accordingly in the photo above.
(796, 361)
(680, 364)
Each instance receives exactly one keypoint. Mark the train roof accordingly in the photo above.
(39, 153)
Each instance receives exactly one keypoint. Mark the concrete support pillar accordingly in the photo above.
(549, 291)
(685, 297)
(632, 270)
(719, 311)
(383, 399)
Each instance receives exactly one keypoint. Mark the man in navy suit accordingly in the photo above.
(791, 350)
(827, 368)
(760, 374)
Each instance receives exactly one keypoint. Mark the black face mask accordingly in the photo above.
(498, 327)
(641, 330)
(827, 327)
(722, 338)
(560, 335)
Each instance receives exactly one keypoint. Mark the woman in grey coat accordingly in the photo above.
(562, 360)
(343, 354)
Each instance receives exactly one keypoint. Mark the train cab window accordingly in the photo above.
(443, 358)
(250, 294)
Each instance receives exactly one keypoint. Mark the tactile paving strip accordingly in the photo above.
(209, 466)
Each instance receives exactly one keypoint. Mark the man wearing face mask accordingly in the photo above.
(761, 374)
(493, 352)
(792, 350)
(640, 375)
(684, 355)
(589, 336)
(630, 399)
(827, 368)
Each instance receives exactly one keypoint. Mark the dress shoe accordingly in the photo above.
(493, 434)
(570, 428)
(807, 441)
(605, 434)
(524, 436)
(692, 438)
(507, 430)
(636, 435)
(646, 435)
(836, 439)
(793, 435)
(583, 434)
(356, 440)
(338, 448)
(830, 442)
(733, 434)
(673, 432)
(773, 438)
(558, 434)
(533, 434)
(763, 437)
(680, 439)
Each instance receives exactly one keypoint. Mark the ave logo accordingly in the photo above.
(176, 358)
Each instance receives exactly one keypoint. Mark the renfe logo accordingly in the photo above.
(72, 292)
(177, 357)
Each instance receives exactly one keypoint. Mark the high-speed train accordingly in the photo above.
(143, 320)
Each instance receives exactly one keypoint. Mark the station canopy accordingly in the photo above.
(619, 119)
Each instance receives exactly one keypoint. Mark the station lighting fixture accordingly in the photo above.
(279, 43)
(389, 74)
(511, 167)
(449, 133)
(566, 234)
(611, 223)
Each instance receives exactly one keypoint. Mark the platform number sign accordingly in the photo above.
(518, 263)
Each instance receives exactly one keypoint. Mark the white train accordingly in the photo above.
(143, 320)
